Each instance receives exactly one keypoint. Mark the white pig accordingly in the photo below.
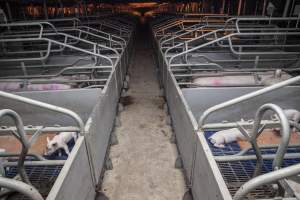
(220, 138)
(291, 115)
(277, 77)
(225, 81)
(10, 86)
(15, 86)
(60, 141)
(266, 78)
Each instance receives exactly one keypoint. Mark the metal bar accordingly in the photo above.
(41, 24)
(30, 129)
(37, 163)
(234, 158)
(10, 18)
(239, 7)
(266, 179)
(285, 136)
(228, 37)
(21, 136)
(45, 9)
(286, 8)
(36, 156)
(209, 111)
(47, 106)
(23, 188)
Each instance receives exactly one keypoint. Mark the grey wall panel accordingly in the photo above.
(200, 99)
(100, 125)
(80, 101)
(75, 179)
(183, 127)
(208, 183)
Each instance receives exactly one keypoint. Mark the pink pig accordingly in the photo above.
(225, 81)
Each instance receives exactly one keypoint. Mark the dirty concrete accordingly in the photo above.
(144, 159)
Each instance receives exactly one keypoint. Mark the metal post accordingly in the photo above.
(240, 7)
(286, 8)
(228, 7)
(45, 9)
(256, 7)
(223, 7)
(266, 179)
(62, 7)
(244, 7)
(21, 187)
(264, 8)
(85, 9)
(8, 11)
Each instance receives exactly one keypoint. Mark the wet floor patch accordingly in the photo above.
(126, 101)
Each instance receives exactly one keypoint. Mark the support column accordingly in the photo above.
(45, 9)
(240, 7)
(286, 8)
(8, 11)
(223, 7)
(264, 8)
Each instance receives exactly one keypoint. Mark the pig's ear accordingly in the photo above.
(48, 140)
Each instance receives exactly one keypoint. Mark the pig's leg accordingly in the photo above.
(66, 148)
(219, 145)
(296, 120)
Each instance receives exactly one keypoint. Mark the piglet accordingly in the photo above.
(220, 138)
(277, 77)
(291, 114)
(60, 141)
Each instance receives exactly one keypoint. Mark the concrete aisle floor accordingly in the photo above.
(143, 161)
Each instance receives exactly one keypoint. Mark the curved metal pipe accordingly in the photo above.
(266, 179)
(285, 132)
(47, 106)
(21, 187)
(22, 138)
(209, 111)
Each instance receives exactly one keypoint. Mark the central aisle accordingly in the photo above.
(143, 161)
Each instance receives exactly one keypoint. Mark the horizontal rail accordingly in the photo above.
(23, 188)
(209, 111)
(264, 179)
(47, 106)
